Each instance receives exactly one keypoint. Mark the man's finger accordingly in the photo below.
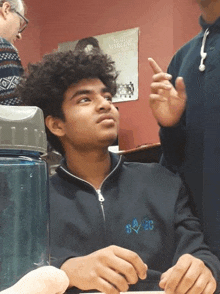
(210, 288)
(191, 280)
(134, 259)
(159, 86)
(154, 98)
(116, 279)
(164, 278)
(178, 272)
(180, 88)
(104, 287)
(161, 76)
(154, 66)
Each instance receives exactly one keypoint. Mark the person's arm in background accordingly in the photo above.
(196, 270)
(10, 73)
(44, 280)
(168, 106)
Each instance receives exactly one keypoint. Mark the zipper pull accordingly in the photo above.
(101, 198)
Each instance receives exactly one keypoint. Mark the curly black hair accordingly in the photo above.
(45, 82)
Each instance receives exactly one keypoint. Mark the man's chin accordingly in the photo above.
(106, 142)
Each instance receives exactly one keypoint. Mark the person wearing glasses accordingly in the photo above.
(12, 24)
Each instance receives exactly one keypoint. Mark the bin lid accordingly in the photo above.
(22, 127)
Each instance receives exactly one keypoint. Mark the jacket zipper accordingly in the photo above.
(101, 200)
(98, 191)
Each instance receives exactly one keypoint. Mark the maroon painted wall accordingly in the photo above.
(164, 27)
(30, 45)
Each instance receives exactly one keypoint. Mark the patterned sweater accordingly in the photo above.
(10, 72)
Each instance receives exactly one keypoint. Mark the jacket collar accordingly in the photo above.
(63, 172)
(204, 25)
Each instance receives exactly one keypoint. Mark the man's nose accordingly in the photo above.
(19, 36)
(103, 103)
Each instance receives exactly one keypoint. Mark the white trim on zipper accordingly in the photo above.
(88, 182)
(98, 191)
(111, 172)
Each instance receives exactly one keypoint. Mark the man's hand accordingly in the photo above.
(189, 275)
(109, 270)
(44, 280)
(166, 102)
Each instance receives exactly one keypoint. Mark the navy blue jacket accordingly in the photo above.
(193, 147)
(145, 209)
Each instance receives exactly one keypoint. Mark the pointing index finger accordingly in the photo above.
(154, 66)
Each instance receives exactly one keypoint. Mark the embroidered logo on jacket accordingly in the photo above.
(145, 225)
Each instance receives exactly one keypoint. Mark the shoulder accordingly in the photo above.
(4, 44)
(190, 43)
(54, 179)
(149, 167)
(193, 45)
(58, 190)
(152, 181)
(8, 51)
(154, 172)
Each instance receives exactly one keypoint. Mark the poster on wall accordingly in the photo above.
(122, 46)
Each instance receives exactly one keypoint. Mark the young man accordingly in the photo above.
(12, 24)
(111, 220)
(190, 129)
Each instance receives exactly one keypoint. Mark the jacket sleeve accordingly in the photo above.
(10, 73)
(190, 239)
(58, 262)
(173, 139)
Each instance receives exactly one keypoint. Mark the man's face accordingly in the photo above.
(12, 23)
(204, 3)
(13, 26)
(91, 120)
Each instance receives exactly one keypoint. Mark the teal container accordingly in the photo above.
(24, 204)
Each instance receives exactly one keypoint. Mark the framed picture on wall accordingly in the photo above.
(122, 46)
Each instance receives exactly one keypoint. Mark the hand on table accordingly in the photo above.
(109, 270)
(189, 275)
(44, 280)
(167, 103)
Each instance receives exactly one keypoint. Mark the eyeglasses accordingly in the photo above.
(24, 23)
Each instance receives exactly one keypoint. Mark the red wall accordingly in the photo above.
(164, 27)
(30, 45)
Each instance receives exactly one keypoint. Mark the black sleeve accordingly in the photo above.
(189, 237)
(173, 139)
(58, 262)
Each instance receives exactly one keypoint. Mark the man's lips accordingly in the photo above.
(105, 117)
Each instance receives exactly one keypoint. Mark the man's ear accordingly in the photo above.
(5, 9)
(55, 125)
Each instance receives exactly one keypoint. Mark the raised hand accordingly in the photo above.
(108, 270)
(189, 275)
(44, 280)
(167, 103)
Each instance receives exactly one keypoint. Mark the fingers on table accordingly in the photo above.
(190, 275)
(134, 262)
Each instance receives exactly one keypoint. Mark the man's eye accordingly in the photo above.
(109, 98)
(83, 100)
